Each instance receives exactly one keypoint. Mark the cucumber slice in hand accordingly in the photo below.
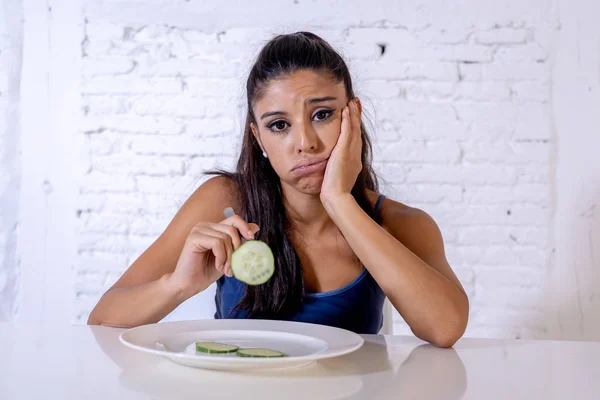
(265, 353)
(253, 262)
(215, 348)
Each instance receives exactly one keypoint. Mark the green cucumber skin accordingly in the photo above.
(242, 353)
(202, 349)
(205, 347)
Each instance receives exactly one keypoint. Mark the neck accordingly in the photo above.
(305, 212)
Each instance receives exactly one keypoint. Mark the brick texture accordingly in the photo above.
(462, 130)
(11, 31)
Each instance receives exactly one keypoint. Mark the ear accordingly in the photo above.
(254, 129)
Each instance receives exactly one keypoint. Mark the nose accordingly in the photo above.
(308, 140)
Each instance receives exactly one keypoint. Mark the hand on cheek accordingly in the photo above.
(344, 163)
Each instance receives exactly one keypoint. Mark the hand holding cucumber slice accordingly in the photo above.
(252, 262)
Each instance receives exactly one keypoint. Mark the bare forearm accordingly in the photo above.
(139, 305)
(430, 303)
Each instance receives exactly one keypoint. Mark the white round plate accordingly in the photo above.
(302, 343)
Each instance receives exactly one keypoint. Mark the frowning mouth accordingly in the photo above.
(308, 166)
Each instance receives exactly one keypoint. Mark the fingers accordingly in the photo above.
(231, 231)
(232, 227)
(221, 245)
(356, 108)
(254, 228)
(200, 240)
(346, 127)
(355, 113)
(351, 122)
(219, 250)
(222, 239)
(231, 237)
(246, 229)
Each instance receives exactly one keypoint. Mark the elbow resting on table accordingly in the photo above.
(446, 333)
(447, 338)
(93, 318)
(94, 321)
(449, 334)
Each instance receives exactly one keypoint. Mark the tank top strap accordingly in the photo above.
(377, 207)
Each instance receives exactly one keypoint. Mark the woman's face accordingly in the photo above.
(298, 121)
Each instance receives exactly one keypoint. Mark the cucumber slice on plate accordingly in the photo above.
(253, 262)
(215, 348)
(265, 353)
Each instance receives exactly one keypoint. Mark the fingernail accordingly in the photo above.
(250, 235)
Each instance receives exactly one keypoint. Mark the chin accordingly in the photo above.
(310, 185)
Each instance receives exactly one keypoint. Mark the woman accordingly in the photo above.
(304, 180)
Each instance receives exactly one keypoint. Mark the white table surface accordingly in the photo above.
(81, 362)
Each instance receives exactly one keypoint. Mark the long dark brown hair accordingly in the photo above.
(258, 185)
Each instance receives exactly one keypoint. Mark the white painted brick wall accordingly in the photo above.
(460, 101)
(10, 61)
(462, 129)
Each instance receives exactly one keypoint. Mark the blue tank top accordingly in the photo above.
(358, 306)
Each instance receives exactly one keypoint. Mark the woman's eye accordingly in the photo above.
(278, 126)
(322, 115)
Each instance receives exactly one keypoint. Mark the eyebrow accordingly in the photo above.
(309, 101)
(320, 99)
(271, 113)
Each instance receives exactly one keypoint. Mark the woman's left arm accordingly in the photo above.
(418, 280)
(411, 268)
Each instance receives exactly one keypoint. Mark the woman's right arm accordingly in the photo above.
(175, 267)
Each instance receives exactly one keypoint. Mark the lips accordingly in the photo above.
(309, 166)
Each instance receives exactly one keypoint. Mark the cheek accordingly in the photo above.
(330, 133)
(275, 145)
(277, 154)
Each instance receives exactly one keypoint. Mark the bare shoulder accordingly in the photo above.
(395, 210)
(417, 230)
(403, 222)
(206, 204)
(209, 200)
